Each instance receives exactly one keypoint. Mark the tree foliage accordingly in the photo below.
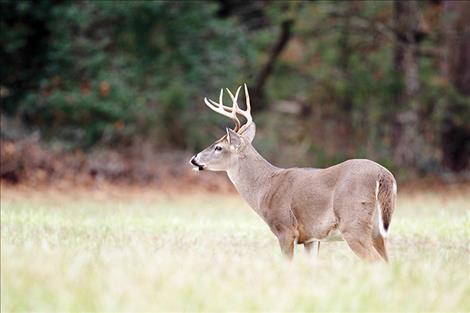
(328, 77)
(107, 71)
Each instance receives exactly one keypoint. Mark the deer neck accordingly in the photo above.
(250, 175)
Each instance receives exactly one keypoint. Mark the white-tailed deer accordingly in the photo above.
(351, 201)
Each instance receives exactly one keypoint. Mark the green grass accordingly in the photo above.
(203, 253)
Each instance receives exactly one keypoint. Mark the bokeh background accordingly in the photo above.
(102, 108)
(113, 90)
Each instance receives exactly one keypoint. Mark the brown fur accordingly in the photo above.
(301, 204)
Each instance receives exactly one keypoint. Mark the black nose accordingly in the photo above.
(193, 162)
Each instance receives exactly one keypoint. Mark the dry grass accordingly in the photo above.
(119, 250)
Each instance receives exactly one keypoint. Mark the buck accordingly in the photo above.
(352, 201)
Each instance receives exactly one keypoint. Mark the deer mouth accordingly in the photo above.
(196, 166)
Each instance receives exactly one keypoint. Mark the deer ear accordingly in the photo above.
(249, 133)
(233, 138)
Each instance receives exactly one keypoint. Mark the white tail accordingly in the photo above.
(353, 200)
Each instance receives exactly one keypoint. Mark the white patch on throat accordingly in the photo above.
(230, 176)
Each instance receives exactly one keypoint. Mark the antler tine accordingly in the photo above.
(246, 113)
(234, 98)
(248, 105)
(220, 104)
(224, 110)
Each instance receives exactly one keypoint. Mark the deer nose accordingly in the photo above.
(198, 167)
(193, 160)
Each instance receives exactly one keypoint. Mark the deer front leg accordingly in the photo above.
(287, 242)
(284, 225)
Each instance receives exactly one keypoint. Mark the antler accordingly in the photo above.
(225, 110)
(232, 112)
(246, 113)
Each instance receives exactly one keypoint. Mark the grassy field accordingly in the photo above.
(144, 251)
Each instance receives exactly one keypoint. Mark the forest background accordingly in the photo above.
(114, 90)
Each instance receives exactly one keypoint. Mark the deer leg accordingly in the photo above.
(287, 239)
(357, 228)
(361, 244)
(312, 248)
(380, 245)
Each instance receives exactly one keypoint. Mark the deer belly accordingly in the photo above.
(333, 235)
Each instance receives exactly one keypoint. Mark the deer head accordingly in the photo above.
(226, 151)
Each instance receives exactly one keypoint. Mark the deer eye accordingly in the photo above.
(218, 148)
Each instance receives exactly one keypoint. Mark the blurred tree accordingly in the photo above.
(266, 70)
(456, 69)
(102, 71)
(24, 39)
(407, 135)
(386, 80)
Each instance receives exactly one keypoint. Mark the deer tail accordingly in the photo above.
(386, 194)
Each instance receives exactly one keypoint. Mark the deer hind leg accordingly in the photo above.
(362, 246)
(312, 248)
(380, 245)
(378, 238)
(357, 230)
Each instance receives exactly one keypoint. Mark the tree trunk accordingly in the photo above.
(344, 62)
(258, 90)
(406, 127)
(455, 136)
